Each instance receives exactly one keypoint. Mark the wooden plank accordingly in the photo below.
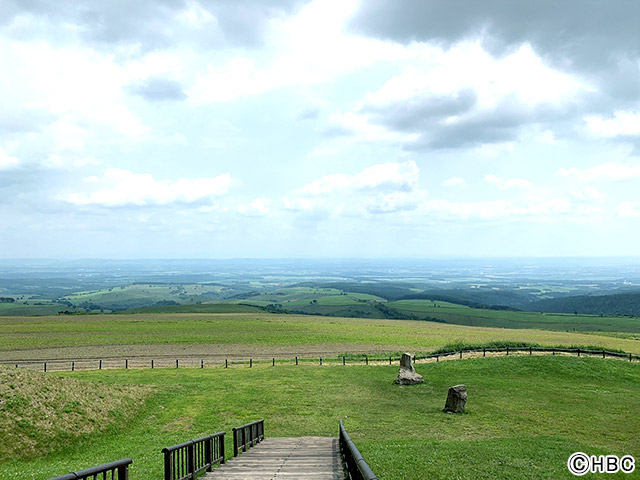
(310, 458)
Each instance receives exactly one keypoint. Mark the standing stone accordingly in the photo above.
(407, 374)
(456, 399)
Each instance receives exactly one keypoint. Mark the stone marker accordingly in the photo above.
(456, 399)
(407, 374)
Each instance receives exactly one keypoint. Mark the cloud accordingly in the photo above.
(157, 89)
(384, 176)
(453, 182)
(623, 123)
(605, 172)
(258, 207)
(464, 97)
(122, 187)
(629, 209)
(507, 184)
(7, 162)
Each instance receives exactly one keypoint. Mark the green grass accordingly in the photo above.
(463, 315)
(525, 415)
(256, 334)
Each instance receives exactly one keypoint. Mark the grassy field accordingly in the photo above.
(462, 315)
(525, 415)
(254, 335)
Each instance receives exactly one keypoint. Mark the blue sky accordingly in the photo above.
(327, 128)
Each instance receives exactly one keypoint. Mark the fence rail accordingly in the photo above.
(359, 358)
(119, 470)
(186, 460)
(356, 467)
(247, 435)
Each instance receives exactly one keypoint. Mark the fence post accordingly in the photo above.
(273, 361)
(320, 360)
(168, 465)
(126, 363)
(366, 359)
(73, 366)
(507, 350)
(250, 362)
(343, 360)
(602, 353)
(578, 352)
(389, 359)
(296, 360)
(191, 460)
(208, 453)
(151, 364)
(553, 350)
(484, 352)
(100, 365)
(176, 363)
(460, 353)
(45, 366)
(201, 363)
(235, 442)
(437, 358)
(226, 365)
(123, 472)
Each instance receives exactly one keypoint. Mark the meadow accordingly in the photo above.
(262, 335)
(525, 415)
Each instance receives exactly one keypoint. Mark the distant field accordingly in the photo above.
(253, 334)
(525, 416)
(462, 315)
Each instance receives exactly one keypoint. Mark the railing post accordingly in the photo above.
(208, 453)
(235, 442)
(168, 465)
(123, 472)
(191, 460)
(221, 444)
(243, 432)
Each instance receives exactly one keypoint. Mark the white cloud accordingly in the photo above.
(259, 206)
(453, 182)
(8, 162)
(123, 187)
(623, 122)
(629, 209)
(392, 176)
(507, 184)
(604, 172)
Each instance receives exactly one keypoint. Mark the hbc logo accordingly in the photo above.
(580, 464)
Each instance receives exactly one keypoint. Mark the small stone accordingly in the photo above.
(407, 374)
(456, 399)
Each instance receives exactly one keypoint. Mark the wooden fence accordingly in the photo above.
(356, 467)
(118, 470)
(357, 359)
(247, 435)
(186, 460)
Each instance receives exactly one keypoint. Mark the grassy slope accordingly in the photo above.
(526, 415)
(462, 315)
(260, 334)
(39, 413)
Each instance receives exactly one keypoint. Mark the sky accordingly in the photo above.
(324, 128)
